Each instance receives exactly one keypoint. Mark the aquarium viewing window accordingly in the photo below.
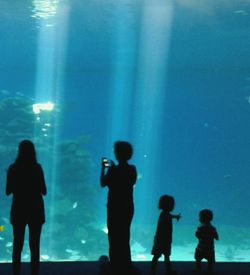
(171, 77)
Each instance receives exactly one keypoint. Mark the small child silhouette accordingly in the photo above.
(163, 236)
(206, 233)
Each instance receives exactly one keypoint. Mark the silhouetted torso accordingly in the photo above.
(120, 207)
(206, 233)
(120, 180)
(26, 182)
(163, 236)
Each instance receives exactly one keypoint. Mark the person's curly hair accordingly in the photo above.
(123, 150)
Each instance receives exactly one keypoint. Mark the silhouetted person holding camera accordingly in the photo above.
(120, 180)
(25, 180)
(163, 236)
(206, 234)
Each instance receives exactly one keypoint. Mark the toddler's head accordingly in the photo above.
(206, 216)
(167, 203)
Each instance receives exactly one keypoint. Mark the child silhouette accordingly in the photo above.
(206, 233)
(163, 236)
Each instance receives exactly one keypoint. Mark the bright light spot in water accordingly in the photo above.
(25, 256)
(38, 107)
(248, 99)
(44, 8)
(9, 244)
(105, 230)
(141, 257)
(139, 176)
(45, 257)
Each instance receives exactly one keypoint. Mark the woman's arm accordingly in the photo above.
(42, 181)
(9, 182)
(134, 174)
(102, 177)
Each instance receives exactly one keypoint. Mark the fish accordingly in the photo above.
(6, 220)
(71, 251)
(240, 12)
(139, 176)
(227, 176)
(9, 244)
(4, 92)
(248, 99)
(19, 94)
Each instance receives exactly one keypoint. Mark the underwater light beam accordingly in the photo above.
(150, 94)
(52, 16)
(121, 86)
(123, 63)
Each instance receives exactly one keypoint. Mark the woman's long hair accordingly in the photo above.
(26, 153)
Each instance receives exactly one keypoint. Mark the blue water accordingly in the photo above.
(180, 71)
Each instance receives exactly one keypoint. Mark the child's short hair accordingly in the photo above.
(166, 202)
(206, 215)
(123, 150)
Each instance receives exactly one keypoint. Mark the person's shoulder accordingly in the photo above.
(12, 166)
(113, 168)
(202, 227)
(132, 167)
(37, 166)
(213, 227)
(209, 225)
(208, 228)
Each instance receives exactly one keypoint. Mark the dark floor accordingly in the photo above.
(92, 268)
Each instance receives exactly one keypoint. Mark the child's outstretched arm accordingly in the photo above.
(177, 217)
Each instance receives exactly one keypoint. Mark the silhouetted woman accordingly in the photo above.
(25, 180)
(120, 180)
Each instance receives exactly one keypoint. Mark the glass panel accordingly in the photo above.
(171, 77)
